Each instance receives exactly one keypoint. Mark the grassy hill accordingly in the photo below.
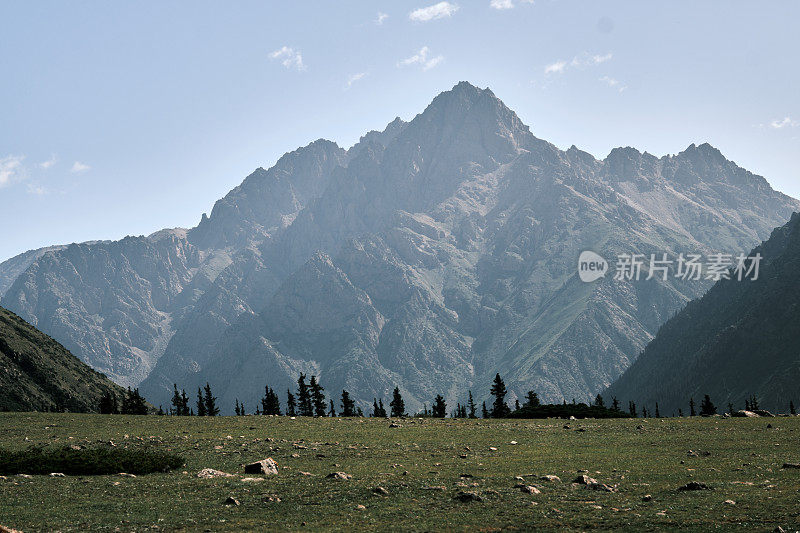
(39, 374)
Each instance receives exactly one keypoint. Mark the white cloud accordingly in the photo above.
(11, 169)
(78, 167)
(422, 58)
(436, 11)
(614, 83)
(783, 123)
(381, 18)
(502, 4)
(289, 57)
(581, 61)
(37, 190)
(555, 68)
(49, 163)
(351, 79)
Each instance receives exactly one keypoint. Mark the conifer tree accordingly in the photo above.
(160, 411)
(382, 408)
(471, 405)
(108, 404)
(706, 407)
(691, 407)
(349, 406)
(359, 412)
(632, 409)
(397, 404)
(730, 408)
(680, 412)
(332, 411)
(439, 409)
(499, 407)
(241, 409)
(317, 397)
(532, 399)
(291, 405)
(210, 402)
(236, 410)
(484, 411)
(201, 404)
(176, 401)
(599, 402)
(516, 404)
(185, 404)
(658, 414)
(792, 410)
(615, 404)
(133, 403)
(304, 404)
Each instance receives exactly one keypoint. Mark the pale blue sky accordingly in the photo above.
(123, 118)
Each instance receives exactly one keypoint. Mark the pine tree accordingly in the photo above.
(108, 404)
(747, 404)
(304, 397)
(615, 403)
(160, 411)
(754, 403)
(332, 411)
(201, 404)
(241, 409)
(185, 404)
(730, 408)
(439, 409)
(236, 410)
(359, 412)
(270, 403)
(210, 402)
(317, 397)
(291, 405)
(133, 403)
(632, 409)
(658, 414)
(706, 407)
(644, 412)
(532, 399)
(691, 407)
(680, 412)
(349, 406)
(792, 410)
(176, 401)
(598, 401)
(381, 407)
(484, 411)
(499, 407)
(471, 405)
(516, 404)
(397, 404)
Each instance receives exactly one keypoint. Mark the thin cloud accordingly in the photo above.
(502, 4)
(49, 163)
(423, 59)
(614, 83)
(581, 61)
(10, 169)
(381, 18)
(289, 58)
(434, 12)
(785, 122)
(38, 190)
(78, 167)
(351, 79)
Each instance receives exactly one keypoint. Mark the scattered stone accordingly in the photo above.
(692, 454)
(530, 489)
(270, 498)
(640, 426)
(602, 487)
(339, 475)
(468, 496)
(301, 473)
(360, 507)
(791, 465)
(125, 474)
(647, 498)
(729, 502)
(231, 501)
(513, 442)
(492, 449)
(695, 485)
(583, 479)
(266, 466)
(395, 425)
(764, 413)
(439, 488)
(380, 491)
(253, 479)
(551, 478)
(745, 414)
(25, 476)
(207, 473)
(4, 529)
(463, 456)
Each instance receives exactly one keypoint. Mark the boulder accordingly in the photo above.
(695, 485)
(208, 473)
(745, 414)
(339, 475)
(266, 466)
(468, 496)
(231, 501)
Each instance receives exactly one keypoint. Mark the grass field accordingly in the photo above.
(740, 459)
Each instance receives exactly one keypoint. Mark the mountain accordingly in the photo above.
(429, 255)
(12, 268)
(38, 374)
(742, 338)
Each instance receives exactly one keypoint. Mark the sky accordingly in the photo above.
(122, 118)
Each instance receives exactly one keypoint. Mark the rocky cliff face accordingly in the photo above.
(429, 256)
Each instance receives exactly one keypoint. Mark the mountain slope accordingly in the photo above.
(38, 374)
(740, 339)
(428, 256)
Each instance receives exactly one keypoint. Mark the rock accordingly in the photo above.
(252, 479)
(270, 498)
(745, 414)
(468, 496)
(380, 491)
(57, 474)
(692, 454)
(647, 498)
(360, 507)
(301, 473)
(492, 449)
(513, 442)
(695, 485)
(764, 413)
(207, 473)
(125, 474)
(266, 466)
(4, 529)
(602, 487)
(395, 425)
(231, 501)
(530, 489)
(729, 502)
(25, 476)
(583, 479)
(339, 475)
(791, 465)
(551, 478)
(438, 488)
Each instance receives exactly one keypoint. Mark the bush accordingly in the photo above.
(90, 461)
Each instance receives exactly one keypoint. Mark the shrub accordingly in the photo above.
(90, 461)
